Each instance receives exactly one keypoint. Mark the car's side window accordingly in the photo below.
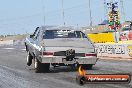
(83, 35)
(36, 34)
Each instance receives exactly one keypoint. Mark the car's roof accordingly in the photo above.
(59, 28)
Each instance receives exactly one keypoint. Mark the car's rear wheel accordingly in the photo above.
(75, 66)
(41, 67)
(87, 66)
(29, 59)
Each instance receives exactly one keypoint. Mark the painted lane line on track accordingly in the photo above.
(9, 48)
(13, 49)
(23, 49)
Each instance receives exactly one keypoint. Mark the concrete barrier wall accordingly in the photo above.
(114, 50)
(18, 42)
(8, 42)
(12, 42)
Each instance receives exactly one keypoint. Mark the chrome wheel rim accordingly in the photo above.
(27, 58)
(35, 64)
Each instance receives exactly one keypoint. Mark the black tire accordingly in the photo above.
(29, 59)
(41, 67)
(75, 66)
(45, 67)
(26, 48)
(37, 65)
(81, 80)
(87, 66)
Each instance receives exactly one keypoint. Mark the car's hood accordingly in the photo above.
(79, 45)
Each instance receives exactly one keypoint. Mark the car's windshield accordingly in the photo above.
(51, 34)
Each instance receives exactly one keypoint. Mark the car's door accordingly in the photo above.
(33, 40)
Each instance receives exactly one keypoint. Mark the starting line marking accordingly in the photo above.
(9, 48)
(23, 49)
(13, 49)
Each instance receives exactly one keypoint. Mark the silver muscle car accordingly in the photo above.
(54, 46)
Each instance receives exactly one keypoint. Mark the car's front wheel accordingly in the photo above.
(29, 59)
(37, 65)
